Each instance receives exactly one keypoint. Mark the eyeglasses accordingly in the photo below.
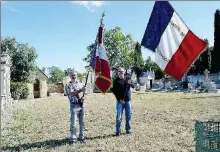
(120, 71)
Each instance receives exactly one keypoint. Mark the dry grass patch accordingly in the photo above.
(160, 122)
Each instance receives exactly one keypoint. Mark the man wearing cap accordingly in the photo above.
(73, 88)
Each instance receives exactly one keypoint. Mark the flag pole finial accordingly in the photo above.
(102, 18)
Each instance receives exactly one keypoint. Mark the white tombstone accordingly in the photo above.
(161, 85)
(134, 77)
(150, 78)
(168, 85)
(5, 80)
(207, 82)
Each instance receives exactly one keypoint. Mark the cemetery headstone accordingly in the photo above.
(206, 82)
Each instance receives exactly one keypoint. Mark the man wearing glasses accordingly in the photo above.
(76, 108)
(121, 90)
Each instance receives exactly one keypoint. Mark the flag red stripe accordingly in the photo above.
(97, 65)
(103, 82)
(100, 35)
(187, 52)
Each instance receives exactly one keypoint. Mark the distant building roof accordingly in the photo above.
(42, 72)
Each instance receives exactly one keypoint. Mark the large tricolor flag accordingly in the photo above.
(100, 64)
(174, 45)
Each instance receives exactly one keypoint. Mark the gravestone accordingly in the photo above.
(155, 85)
(168, 85)
(150, 79)
(5, 81)
(212, 88)
(206, 82)
(161, 85)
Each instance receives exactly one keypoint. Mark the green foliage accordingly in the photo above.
(68, 71)
(138, 60)
(23, 59)
(90, 49)
(81, 76)
(149, 64)
(158, 72)
(216, 50)
(203, 62)
(123, 51)
(19, 90)
(56, 75)
(119, 48)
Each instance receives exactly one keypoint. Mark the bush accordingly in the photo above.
(19, 90)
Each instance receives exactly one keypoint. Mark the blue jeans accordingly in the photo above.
(120, 108)
(76, 112)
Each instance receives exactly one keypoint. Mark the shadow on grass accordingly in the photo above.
(44, 144)
(47, 144)
(102, 137)
(202, 97)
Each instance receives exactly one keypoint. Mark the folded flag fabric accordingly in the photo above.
(175, 46)
(100, 64)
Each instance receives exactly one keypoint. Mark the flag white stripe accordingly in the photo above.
(170, 41)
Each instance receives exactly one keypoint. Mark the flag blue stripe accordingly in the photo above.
(92, 63)
(159, 19)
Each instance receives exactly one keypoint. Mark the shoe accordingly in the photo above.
(82, 140)
(128, 132)
(72, 141)
(117, 134)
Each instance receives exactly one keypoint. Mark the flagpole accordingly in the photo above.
(101, 24)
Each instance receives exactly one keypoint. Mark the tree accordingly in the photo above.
(56, 75)
(149, 64)
(203, 62)
(23, 58)
(138, 61)
(216, 51)
(68, 71)
(119, 48)
(81, 76)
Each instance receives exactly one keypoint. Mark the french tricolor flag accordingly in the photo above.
(100, 64)
(174, 45)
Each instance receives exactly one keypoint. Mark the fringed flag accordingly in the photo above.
(175, 46)
(100, 64)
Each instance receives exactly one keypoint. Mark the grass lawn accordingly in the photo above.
(160, 122)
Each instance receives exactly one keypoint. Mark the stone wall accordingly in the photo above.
(31, 90)
(53, 88)
(6, 99)
(43, 84)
